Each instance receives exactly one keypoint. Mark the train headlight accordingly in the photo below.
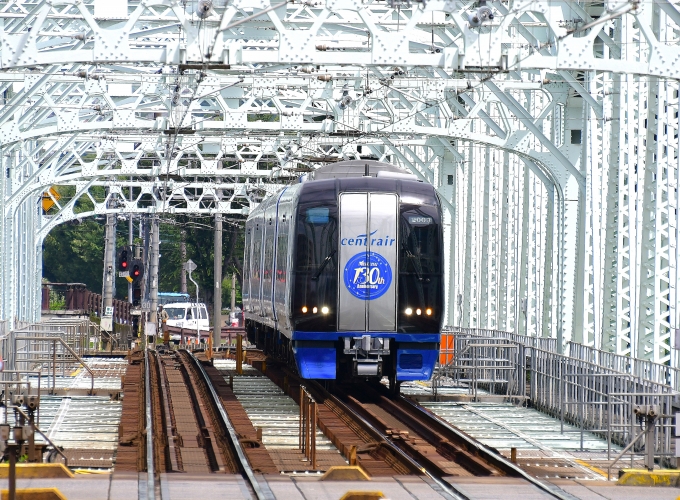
(418, 312)
(304, 309)
(315, 310)
(408, 311)
(428, 311)
(324, 310)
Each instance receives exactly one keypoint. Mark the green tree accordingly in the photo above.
(73, 253)
(200, 249)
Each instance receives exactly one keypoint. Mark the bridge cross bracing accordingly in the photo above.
(550, 133)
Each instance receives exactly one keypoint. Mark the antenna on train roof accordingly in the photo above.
(367, 172)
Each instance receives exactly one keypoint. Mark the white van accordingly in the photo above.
(186, 315)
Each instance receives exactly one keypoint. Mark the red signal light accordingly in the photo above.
(136, 271)
(123, 259)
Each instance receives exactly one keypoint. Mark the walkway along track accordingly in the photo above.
(191, 431)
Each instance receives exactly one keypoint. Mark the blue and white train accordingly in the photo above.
(343, 273)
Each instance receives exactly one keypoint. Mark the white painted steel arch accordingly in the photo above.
(551, 134)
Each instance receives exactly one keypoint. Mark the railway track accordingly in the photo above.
(354, 439)
(186, 429)
(444, 450)
(190, 428)
(394, 435)
(198, 426)
(130, 452)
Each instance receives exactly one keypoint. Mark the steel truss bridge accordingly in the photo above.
(550, 132)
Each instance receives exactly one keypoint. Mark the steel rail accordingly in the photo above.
(150, 469)
(237, 449)
(484, 451)
(449, 489)
(166, 409)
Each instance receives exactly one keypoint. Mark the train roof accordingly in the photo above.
(360, 168)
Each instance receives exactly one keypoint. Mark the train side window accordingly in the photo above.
(257, 247)
(281, 256)
(268, 255)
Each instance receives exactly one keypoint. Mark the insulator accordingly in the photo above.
(203, 8)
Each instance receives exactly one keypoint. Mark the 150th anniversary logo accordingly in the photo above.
(368, 275)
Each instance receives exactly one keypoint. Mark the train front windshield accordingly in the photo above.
(420, 269)
(316, 260)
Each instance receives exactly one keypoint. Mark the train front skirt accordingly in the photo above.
(316, 353)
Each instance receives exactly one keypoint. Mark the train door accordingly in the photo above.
(368, 262)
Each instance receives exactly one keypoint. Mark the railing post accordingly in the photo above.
(54, 367)
(45, 298)
(300, 425)
(312, 425)
(352, 455)
(239, 355)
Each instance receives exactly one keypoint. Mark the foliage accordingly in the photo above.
(73, 253)
(57, 301)
(199, 248)
(226, 292)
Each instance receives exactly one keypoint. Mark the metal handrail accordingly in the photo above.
(618, 457)
(71, 351)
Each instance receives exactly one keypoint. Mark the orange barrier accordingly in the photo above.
(446, 349)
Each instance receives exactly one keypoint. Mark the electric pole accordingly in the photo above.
(183, 259)
(153, 268)
(217, 296)
(130, 241)
(233, 291)
(109, 273)
(144, 230)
